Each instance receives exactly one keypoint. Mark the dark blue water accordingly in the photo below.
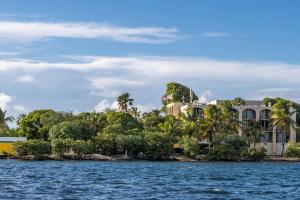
(148, 180)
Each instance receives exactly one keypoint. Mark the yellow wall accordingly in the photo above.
(7, 147)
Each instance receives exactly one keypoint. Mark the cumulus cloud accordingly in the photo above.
(4, 100)
(26, 79)
(16, 32)
(104, 104)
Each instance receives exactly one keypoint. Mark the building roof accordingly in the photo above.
(13, 139)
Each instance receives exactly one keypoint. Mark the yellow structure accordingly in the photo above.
(7, 144)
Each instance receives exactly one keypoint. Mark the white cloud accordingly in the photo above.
(16, 32)
(146, 108)
(149, 68)
(26, 79)
(4, 100)
(19, 108)
(104, 104)
(214, 34)
(206, 96)
(107, 87)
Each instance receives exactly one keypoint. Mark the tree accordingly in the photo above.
(281, 117)
(152, 119)
(77, 130)
(124, 101)
(135, 113)
(230, 117)
(238, 101)
(253, 133)
(211, 124)
(4, 120)
(176, 92)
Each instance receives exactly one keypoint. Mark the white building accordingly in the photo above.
(253, 110)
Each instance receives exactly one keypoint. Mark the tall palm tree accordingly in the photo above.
(124, 101)
(230, 117)
(211, 124)
(5, 119)
(281, 117)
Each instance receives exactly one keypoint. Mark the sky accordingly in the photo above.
(80, 55)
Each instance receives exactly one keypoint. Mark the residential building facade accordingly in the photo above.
(273, 137)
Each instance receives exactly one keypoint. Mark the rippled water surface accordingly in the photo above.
(148, 180)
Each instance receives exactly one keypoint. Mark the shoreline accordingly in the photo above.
(116, 158)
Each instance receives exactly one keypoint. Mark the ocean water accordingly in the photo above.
(148, 180)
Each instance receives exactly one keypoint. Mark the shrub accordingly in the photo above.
(293, 150)
(229, 148)
(254, 154)
(36, 148)
(76, 130)
(190, 146)
(61, 146)
(157, 145)
(80, 147)
(134, 144)
(106, 144)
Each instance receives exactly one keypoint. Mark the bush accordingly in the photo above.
(293, 150)
(36, 148)
(76, 130)
(229, 148)
(254, 154)
(106, 144)
(134, 144)
(157, 145)
(80, 147)
(190, 146)
(61, 146)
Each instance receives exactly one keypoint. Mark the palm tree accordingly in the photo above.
(124, 101)
(211, 124)
(5, 119)
(281, 117)
(135, 113)
(230, 117)
(239, 101)
(253, 133)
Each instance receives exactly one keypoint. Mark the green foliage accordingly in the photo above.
(178, 93)
(293, 150)
(151, 120)
(134, 144)
(4, 119)
(61, 146)
(124, 101)
(122, 123)
(81, 147)
(157, 145)
(190, 146)
(36, 125)
(36, 148)
(238, 101)
(106, 144)
(77, 130)
(229, 148)
(253, 154)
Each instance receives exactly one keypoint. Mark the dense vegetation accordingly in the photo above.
(150, 135)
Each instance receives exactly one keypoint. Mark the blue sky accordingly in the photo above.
(79, 55)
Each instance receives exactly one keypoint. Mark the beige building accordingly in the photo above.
(253, 110)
